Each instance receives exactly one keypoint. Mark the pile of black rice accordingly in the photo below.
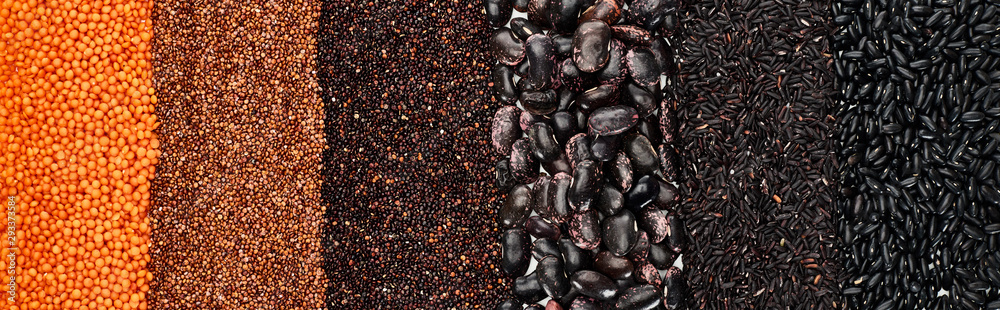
(759, 181)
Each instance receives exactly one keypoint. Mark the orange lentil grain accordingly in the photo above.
(79, 146)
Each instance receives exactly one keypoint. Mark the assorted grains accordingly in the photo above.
(581, 86)
(237, 213)
(76, 106)
(920, 118)
(758, 179)
(407, 183)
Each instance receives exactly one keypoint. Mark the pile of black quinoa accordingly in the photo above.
(410, 205)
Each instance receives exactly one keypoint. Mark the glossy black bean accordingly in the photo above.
(616, 70)
(617, 268)
(504, 179)
(497, 12)
(503, 84)
(509, 304)
(544, 146)
(587, 181)
(540, 54)
(505, 129)
(604, 10)
(639, 98)
(641, 152)
(594, 284)
(574, 257)
(539, 227)
(648, 13)
(677, 235)
(527, 289)
(619, 232)
(661, 256)
(585, 229)
(563, 43)
(539, 102)
(578, 149)
(667, 198)
(651, 129)
(642, 297)
(523, 28)
(645, 191)
(552, 277)
(605, 148)
(520, 5)
(523, 165)
(609, 201)
(590, 45)
(564, 14)
(543, 247)
(642, 66)
(675, 289)
(612, 120)
(597, 97)
(506, 47)
(564, 126)
(516, 247)
(516, 207)
(561, 164)
(653, 222)
(619, 171)
(559, 192)
(567, 98)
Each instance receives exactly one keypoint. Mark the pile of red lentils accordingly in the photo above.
(79, 146)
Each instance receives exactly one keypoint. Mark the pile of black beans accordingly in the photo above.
(920, 122)
(584, 101)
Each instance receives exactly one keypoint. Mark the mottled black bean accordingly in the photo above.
(587, 181)
(677, 235)
(539, 12)
(653, 222)
(608, 11)
(523, 165)
(506, 47)
(590, 45)
(585, 229)
(516, 247)
(578, 149)
(509, 304)
(504, 179)
(539, 102)
(642, 66)
(612, 120)
(543, 247)
(572, 78)
(564, 14)
(552, 277)
(594, 284)
(619, 171)
(616, 70)
(505, 129)
(563, 43)
(667, 197)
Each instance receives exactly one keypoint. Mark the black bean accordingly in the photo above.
(605, 148)
(619, 233)
(564, 126)
(675, 289)
(527, 289)
(642, 66)
(574, 257)
(641, 153)
(564, 14)
(543, 247)
(609, 201)
(645, 191)
(540, 54)
(543, 142)
(558, 194)
(585, 229)
(563, 43)
(594, 284)
(597, 97)
(503, 85)
(516, 246)
(509, 304)
(619, 171)
(539, 227)
(661, 256)
(539, 102)
(612, 120)
(523, 28)
(642, 297)
(677, 235)
(667, 197)
(552, 277)
(613, 266)
(516, 207)
(572, 78)
(497, 12)
(587, 180)
(616, 70)
(505, 129)
(506, 47)
(639, 98)
(590, 45)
